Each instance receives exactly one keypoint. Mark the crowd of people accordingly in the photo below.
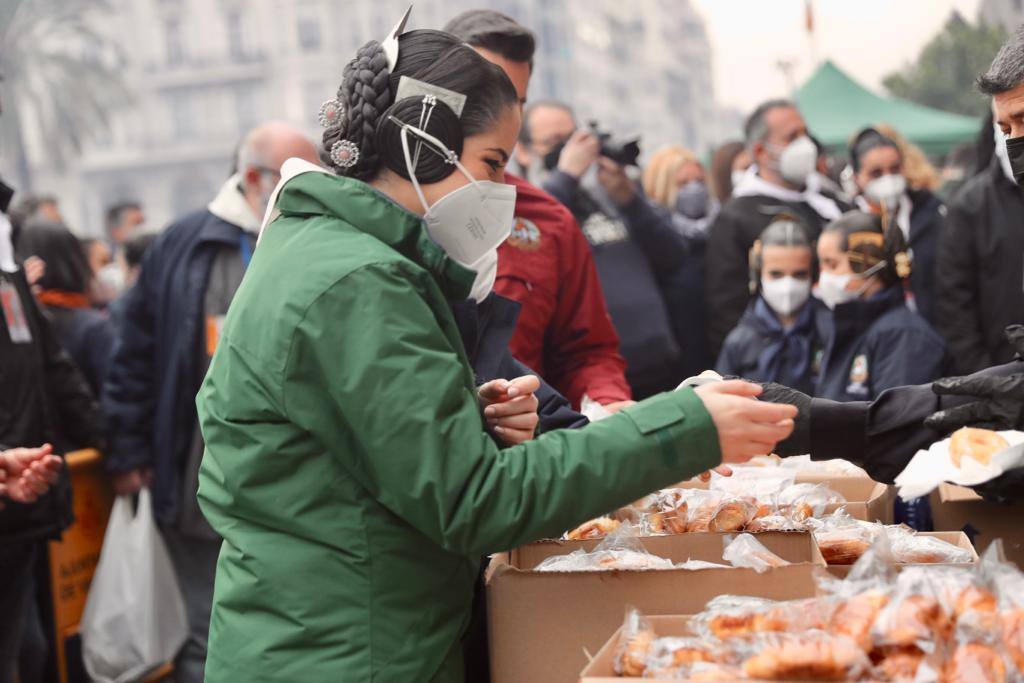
(370, 355)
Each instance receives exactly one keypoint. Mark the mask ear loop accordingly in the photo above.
(436, 146)
(426, 109)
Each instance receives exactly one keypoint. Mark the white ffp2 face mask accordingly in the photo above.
(798, 160)
(886, 190)
(832, 287)
(785, 295)
(469, 223)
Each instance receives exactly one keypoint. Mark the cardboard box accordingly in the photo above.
(957, 538)
(542, 624)
(955, 508)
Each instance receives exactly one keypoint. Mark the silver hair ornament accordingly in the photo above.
(331, 114)
(344, 154)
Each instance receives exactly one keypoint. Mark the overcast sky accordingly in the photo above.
(867, 38)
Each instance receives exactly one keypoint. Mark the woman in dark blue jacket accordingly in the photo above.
(877, 163)
(783, 331)
(86, 334)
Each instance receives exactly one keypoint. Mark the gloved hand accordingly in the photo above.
(799, 442)
(1004, 489)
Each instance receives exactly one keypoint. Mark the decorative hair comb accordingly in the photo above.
(390, 43)
(410, 87)
(331, 114)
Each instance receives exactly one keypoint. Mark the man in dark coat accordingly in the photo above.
(783, 180)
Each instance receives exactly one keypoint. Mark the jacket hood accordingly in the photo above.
(306, 190)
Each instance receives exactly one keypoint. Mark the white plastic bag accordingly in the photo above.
(134, 619)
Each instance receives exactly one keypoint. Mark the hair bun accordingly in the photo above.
(443, 124)
(366, 92)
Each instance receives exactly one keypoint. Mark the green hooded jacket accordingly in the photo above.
(347, 467)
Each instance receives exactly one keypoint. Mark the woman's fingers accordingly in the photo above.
(520, 386)
(523, 421)
(515, 406)
(733, 387)
(493, 390)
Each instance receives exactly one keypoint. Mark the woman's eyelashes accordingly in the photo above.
(495, 165)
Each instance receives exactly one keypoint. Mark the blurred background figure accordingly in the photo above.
(122, 220)
(130, 260)
(634, 246)
(63, 292)
(728, 164)
(782, 334)
(783, 179)
(32, 206)
(100, 257)
(675, 181)
(957, 169)
(883, 188)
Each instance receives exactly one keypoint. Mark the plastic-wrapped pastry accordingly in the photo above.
(974, 598)
(974, 663)
(699, 672)
(728, 616)
(854, 618)
(1013, 636)
(595, 528)
(899, 665)
(635, 647)
(811, 656)
(792, 616)
(732, 515)
(675, 652)
(910, 620)
(669, 512)
(908, 548)
(746, 551)
(842, 548)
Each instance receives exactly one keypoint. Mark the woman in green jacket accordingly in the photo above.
(347, 463)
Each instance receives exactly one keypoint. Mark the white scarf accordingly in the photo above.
(289, 169)
(902, 213)
(754, 185)
(6, 248)
(230, 206)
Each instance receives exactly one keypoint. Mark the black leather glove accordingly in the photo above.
(1004, 489)
(1000, 400)
(799, 442)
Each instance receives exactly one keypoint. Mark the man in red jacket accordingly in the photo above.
(564, 332)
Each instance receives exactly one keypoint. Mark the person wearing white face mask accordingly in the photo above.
(877, 342)
(783, 331)
(878, 167)
(783, 179)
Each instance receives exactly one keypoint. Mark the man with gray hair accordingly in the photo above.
(172, 320)
(981, 254)
(782, 180)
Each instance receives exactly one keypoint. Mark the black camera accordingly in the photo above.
(622, 152)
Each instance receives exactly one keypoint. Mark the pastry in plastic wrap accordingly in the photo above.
(898, 665)
(669, 512)
(1013, 636)
(792, 616)
(978, 444)
(635, 646)
(908, 548)
(746, 551)
(974, 663)
(912, 620)
(700, 518)
(732, 515)
(699, 672)
(854, 618)
(595, 528)
(728, 616)
(975, 598)
(812, 656)
(676, 652)
(840, 548)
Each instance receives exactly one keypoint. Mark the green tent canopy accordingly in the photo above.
(835, 107)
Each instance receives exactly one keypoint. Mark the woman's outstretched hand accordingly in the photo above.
(746, 427)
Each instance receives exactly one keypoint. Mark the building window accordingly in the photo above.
(235, 35)
(307, 23)
(246, 108)
(173, 42)
(183, 117)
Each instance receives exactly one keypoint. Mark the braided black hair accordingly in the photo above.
(368, 92)
(867, 243)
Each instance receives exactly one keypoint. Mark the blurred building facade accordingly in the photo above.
(1008, 13)
(204, 71)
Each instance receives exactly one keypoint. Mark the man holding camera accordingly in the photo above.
(626, 235)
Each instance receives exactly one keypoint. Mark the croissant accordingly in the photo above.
(632, 660)
(899, 665)
(732, 516)
(700, 519)
(918, 617)
(728, 625)
(975, 599)
(974, 663)
(1013, 636)
(595, 528)
(803, 659)
(855, 617)
(842, 550)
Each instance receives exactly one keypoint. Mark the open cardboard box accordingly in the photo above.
(955, 508)
(866, 499)
(957, 538)
(541, 624)
(601, 668)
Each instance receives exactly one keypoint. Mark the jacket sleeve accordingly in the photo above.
(883, 435)
(956, 299)
(562, 187)
(727, 289)
(553, 409)
(906, 357)
(394, 388)
(666, 249)
(130, 390)
(582, 347)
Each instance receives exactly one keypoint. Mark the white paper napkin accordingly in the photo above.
(927, 469)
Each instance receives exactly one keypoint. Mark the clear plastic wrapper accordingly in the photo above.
(728, 616)
(842, 539)
(699, 672)
(812, 655)
(595, 528)
(634, 645)
(746, 551)
(909, 548)
(732, 515)
(702, 506)
(899, 665)
(854, 617)
(918, 613)
(972, 662)
(665, 512)
(621, 549)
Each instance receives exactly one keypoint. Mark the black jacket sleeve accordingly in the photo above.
(727, 290)
(554, 410)
(562, 187)
(130, 391)
(883, 435)
(652, 231)
(957, 313)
